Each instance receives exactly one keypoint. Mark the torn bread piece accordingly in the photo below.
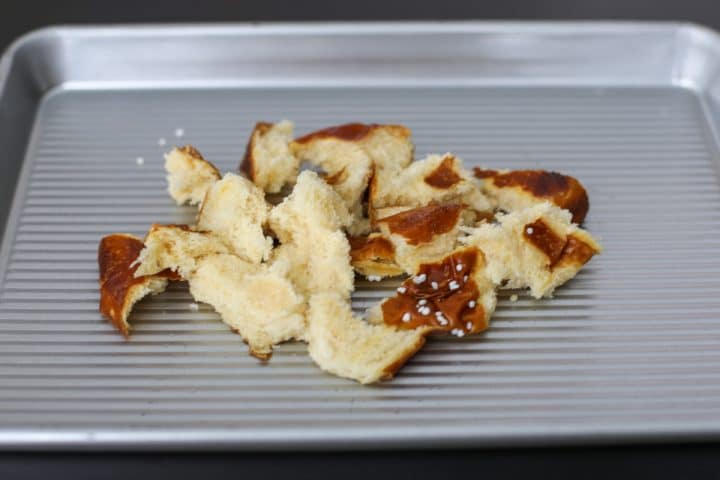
(235, 210)
(423, 234)
(120, 289)
(538, 247)
(189, 175)
(349, 154)
(312, 204)
(268, 161)
(176, 247)
(348, 346)
(374, 256)
(308, 224)
(453, 295)
(517, 189)
(437, 178)
(257, 302)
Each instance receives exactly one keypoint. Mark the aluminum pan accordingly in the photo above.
(626, 351)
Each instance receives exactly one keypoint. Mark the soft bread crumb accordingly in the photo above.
(349, 154)
(421, 235)
(312, 204)
(189, 175)
(513, 258)
(349, 347)
(257, 302)
(437, 178)
(235, 210)
(176, 247)
(268, 161)
(308, 223)
(119, 288)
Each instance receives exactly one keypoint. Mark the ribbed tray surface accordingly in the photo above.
(630, 345)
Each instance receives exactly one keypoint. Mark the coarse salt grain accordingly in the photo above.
(162, 141)
(422, 301)
(529, 230)
(401, 289)
(453, 285)
(406, 317)
(419, 279)
(459, 267)
(513, 298)
(465, 278)
(194, 307)
(471, 304)
(460, 333)
(374, 278)
(425, 311)
(179, 132)
(469, 326)
(434, 285)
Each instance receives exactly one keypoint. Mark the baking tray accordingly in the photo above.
(627, 351)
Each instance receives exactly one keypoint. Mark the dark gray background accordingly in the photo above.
(660, 461)
(19, 16)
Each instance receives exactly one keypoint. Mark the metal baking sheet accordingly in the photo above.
(629, 350)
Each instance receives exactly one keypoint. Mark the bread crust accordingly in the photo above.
(563, 190)
(353, 132)
(119, 288)
(374, 256)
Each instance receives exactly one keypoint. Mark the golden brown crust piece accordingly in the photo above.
(195, 153)
(451, 295)
(374, 255)
(352, 132)
(422, 224)
(537, 247)
(444, 176)
(562, 190)
(436, 179)
(119, 288)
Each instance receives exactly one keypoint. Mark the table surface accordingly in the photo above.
(646, 461)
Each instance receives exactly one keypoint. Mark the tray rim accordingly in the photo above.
(671, 28)
(199, 439)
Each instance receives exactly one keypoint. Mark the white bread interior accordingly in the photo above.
(347, 346)
(235, 210)
(189, 175)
